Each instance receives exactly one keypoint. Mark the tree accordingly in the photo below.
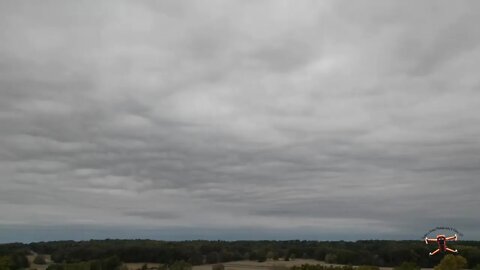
(111, 263)
(407, 266)
(451, 262)
(261, 256)
(319, 254)
(96, 265)
(331, 258)
(14, 261)
(180, 265)
(39, 259)
(55, 266)
(212, 257)
(5, 263)
(18, 260)
(122, 267)
(472, 254)
(196, 258)
(367, 267)
(276, 256)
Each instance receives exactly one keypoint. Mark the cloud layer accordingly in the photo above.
(332, 119)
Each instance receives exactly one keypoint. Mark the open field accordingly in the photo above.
(237, 265)
(249, 265)
(253, 265)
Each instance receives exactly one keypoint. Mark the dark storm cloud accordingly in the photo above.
(239, 117)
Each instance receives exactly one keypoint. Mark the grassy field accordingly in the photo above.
(250, 265)
(253, 265)
(237, 265)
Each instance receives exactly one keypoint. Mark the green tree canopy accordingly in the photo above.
(5, 263)
(407, 266)
(451, 262)
(180, 265)
(39, 259)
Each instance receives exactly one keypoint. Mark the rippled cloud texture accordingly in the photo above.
(239, 119)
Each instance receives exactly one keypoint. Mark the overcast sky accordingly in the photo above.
(239, 119)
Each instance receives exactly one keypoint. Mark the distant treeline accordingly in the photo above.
(13, 256)
(374, 252)
(111, 263)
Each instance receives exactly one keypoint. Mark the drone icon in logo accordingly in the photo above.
(442, 243)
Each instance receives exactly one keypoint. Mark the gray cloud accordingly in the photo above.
(153, 214)
(335, 119)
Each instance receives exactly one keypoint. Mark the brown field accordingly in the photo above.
(253, 265)
(245, 265)
(237, 265)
